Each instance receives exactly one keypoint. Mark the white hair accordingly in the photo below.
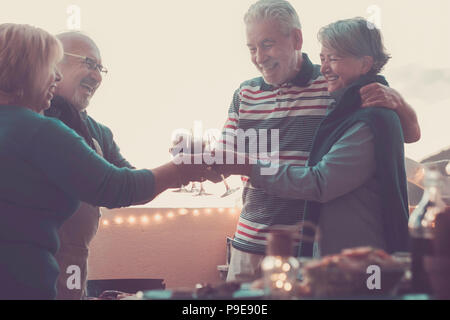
(279, 10)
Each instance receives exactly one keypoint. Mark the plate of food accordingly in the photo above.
(220, 291)
(356, 272)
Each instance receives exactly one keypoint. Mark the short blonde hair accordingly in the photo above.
(26, 54)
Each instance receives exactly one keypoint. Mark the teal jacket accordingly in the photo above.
(354, 181)
(389, 158)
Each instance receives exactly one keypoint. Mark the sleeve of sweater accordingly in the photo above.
(348, 164)
(69, 163)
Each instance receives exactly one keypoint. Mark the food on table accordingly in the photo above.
(353, 272)
(222, 290)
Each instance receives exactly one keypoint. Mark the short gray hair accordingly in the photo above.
(279, 10)
(356, 37)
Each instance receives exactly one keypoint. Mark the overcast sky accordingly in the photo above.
(174, 62)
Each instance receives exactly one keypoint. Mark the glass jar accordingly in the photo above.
(280, 269)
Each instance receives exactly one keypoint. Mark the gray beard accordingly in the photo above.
(79, 103)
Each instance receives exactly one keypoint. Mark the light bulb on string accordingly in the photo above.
(158, 217)
(287, 286)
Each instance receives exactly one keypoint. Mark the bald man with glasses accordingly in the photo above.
(83, 73)
(90, 63)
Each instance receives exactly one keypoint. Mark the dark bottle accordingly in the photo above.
(422, 223)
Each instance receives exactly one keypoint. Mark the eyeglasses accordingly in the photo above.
(90, 63)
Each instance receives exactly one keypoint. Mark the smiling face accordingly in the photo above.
(276, 55)
(28, 80)
(341, 70)
(79, 83)
(51, 78)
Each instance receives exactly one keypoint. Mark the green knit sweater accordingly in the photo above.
(45, 169)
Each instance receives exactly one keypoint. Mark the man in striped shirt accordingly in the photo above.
(291, 97)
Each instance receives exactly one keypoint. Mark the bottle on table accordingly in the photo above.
(422, 224)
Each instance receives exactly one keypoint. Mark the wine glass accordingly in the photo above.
(176, 139)
(228, 190)
(211, 144)
(198, 191)
(182, 189)
(202, 191)
(194, 188)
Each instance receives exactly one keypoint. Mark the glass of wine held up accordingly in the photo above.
(210, 146)
(209, 143)
(179, 143)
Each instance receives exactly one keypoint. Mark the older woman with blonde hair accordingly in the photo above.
(41, 183)
(28, 58)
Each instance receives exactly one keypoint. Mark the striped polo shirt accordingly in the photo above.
(296, 109)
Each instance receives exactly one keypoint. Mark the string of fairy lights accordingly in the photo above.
(158, 217)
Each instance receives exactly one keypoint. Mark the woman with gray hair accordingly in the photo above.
(369, 206)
